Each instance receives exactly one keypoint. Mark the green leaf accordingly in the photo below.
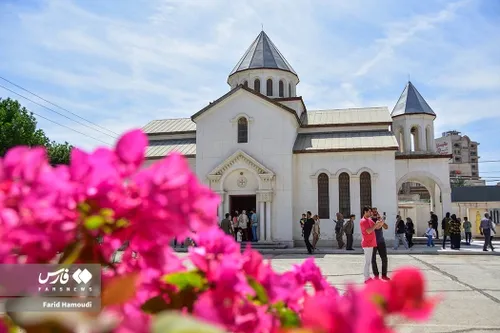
(288, 318)
(177, 300)
(173, 322)
(183, 280)
(260, 291)
(94, 222)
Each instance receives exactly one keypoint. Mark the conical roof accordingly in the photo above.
(411, 102)
(262, 54)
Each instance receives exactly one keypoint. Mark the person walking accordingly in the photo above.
(485, 228)
(445, 226)
(225, 225)
(339, 230)
(430, 233)
(434, 221)
(243, 225)
(316, 232)
(349, 232)
(255, 225)
(455, 232)
(369, 239)
(381, 248)
(410, 231)
(468, 230)
(308, 226)
(400, 231)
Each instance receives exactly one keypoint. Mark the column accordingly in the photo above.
(220, 208)
(446, 200)
(334, 196)
(355, 196)
(262, 221)
(268, 221)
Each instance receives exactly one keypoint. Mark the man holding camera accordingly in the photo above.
(381, 248)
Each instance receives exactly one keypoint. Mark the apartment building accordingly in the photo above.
(464, 164)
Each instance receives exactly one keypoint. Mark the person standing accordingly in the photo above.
(236, 228)
(445, 226)
(225, 225)
(302, 222)
(381, 248)
(255, 224)
(400, 230)
(243, 225)
(410, 231)
(486, 230)
(369, 239)
(308, 225)
(468, 230)
(430, 233)
(339, 230)
(349, 232)
(434, 222)
(455, 232)
(316, 232)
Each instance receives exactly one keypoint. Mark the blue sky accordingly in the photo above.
(124, 63)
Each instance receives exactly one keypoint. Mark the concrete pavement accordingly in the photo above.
(469, 285)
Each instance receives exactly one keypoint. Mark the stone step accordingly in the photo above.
(265, 245)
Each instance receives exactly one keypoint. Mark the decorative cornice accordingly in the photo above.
(241, 156)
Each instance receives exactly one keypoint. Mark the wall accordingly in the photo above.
(419, 212)
(471, 210)
(263, 75)
(308, 166)
(272, 133)
(191, 162)
(420, 121)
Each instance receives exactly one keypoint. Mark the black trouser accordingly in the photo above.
(445, 236)
(468, 237)
(455, 241)
(487, 239)
(307, 234)
(409, 239)
(382, 251)
(349, 240)
(437, 231)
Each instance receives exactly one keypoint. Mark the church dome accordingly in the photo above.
(264, 69)
(262, 54)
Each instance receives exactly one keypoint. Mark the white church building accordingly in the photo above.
(258, 146)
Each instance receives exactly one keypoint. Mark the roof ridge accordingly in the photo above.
(186, 118)
(355, 108)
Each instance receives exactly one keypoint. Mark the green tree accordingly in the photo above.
(59, 153)
(18, 126)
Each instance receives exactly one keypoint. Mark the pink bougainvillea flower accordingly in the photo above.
(404, 294)
(235, 314)
(349, 313)
(309, 272)
(130, 150)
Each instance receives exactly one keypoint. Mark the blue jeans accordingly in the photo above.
(430, 241)
(254, 233)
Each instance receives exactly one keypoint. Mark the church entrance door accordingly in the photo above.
(242, 202)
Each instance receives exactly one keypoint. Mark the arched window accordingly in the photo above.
(242, 130)
(365, 190)
(256, 85)
(344, 194)
(282, 89)
(414, 137)
(269, 90)
(289, 90)
(323, 197)
(245, 83)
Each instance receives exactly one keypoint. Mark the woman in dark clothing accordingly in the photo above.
(410, 231)
(455, 232)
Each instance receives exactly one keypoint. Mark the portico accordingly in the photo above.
(242, 175)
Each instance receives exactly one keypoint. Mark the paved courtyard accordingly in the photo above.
(470, 286)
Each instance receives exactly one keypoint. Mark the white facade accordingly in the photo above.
(269, 148)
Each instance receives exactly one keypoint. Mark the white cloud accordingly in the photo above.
(165, 58)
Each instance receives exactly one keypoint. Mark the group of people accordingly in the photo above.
(452, 226)
(242, 226)
(311, 224)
